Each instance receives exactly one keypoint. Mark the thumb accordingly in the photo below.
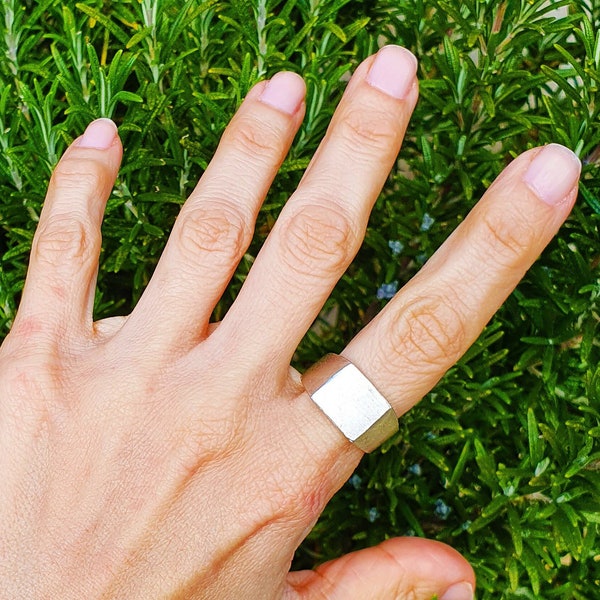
(397, 569)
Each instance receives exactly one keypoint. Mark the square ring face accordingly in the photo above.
(355, 406)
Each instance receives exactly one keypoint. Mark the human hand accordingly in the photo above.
(160, 456)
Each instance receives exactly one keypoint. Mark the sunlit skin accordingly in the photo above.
(161, 456)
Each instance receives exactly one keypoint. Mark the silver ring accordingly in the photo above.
(350, 401)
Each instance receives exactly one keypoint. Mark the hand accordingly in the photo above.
(160, 456)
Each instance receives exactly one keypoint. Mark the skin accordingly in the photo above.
(160, 456)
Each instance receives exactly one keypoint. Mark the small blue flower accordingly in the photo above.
(373, 515)
(415, 469)
(396, 247)
(387, 290)
(355, 481)
(427, 222)
(442, 510)
(421, 258)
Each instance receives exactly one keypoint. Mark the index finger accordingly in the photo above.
(436, 317)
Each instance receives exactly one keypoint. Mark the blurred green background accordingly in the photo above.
(502, 459)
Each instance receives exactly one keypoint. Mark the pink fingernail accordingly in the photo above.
(100, 134)
(553, 173)
(393, 71)
(285, 92)
(459, 591)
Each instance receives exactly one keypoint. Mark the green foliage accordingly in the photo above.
(502, 459)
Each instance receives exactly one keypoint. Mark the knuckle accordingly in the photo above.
(80, 175)
(506, 241)
(301, 502)
(255, 138)
(63, 239)
(31, 385)
(366, 131)
(318, 241)
(220, 233)
(28, 331)
(428, 332)
(39, 401)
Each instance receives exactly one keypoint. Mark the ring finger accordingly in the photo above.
(215, 225)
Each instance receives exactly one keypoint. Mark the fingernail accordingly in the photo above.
(285, 92)
(553, 173)
(99, 134)
(393, 71)
(459, 591)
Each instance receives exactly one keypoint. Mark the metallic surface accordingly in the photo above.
(351, 402)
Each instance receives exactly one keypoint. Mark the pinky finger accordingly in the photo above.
(59, 289)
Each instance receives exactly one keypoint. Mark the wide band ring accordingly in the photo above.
(350, 401)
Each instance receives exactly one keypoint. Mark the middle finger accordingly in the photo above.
(322, 226)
